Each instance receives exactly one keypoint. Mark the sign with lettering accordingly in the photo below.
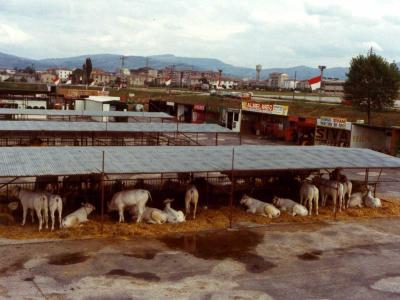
(199, 107)
(333, 122)
(264, 108)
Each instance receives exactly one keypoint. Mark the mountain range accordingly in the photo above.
(111, 62)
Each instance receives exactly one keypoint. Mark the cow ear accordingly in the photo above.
(83, 204)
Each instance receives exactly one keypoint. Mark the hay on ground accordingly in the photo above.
(205, 220)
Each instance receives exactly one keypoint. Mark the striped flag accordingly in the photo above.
(315, 82)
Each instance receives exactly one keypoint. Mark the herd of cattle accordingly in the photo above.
(313, 191)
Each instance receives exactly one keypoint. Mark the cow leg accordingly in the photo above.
(24, 213)
(59, 216)
(32, 216)
(40, 218)
(46, 217)
(194, 210)
(310, 206)
(121, 214)
(52, 212)
(316, 206)
(187, 206)
(334, 204)
(140, 213)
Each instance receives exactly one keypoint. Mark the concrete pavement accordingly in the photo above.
(298, 261)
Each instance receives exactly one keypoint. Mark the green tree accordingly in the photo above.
(77, 74)
(372, 83)
(88, 69)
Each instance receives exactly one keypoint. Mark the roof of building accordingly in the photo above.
(59, 126)
(87, 113)
(37, 161)
(102, 98)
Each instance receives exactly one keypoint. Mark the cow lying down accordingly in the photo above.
(150, 215)
(258, 207)
(289, 206)
(77, 217)
(173, 216)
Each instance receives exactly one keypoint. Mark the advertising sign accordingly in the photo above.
(264, 108)
(333, 122)
(199, 107)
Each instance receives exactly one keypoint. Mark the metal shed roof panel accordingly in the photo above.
(55, 126)
(55, 112)
(36, 161)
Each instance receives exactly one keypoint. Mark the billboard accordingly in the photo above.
(333, 122)
(264, 108)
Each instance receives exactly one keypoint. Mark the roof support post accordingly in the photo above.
(232, 189)
(379, 177)
(102, 194)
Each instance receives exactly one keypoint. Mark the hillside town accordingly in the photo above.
(191, 79)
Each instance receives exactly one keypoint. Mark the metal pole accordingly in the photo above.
(376, 183)
(294, 84)
(102, 194)
(232, 189)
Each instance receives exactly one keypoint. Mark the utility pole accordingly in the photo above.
(219, 78)
(294, 84)
(147, 71)
(322, 68)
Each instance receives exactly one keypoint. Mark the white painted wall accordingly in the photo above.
(370, 138)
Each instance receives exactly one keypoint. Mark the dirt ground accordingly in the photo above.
(206, 219)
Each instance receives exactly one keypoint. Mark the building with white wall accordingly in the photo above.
(277, 80)
(63, 74)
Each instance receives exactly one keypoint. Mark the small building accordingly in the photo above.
(100, 103)
(277, 80)
(378, 138)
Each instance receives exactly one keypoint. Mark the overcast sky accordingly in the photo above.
(274, 33)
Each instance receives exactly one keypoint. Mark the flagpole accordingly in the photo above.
(322, 68)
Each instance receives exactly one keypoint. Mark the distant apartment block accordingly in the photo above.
(63, 74)
(334, 87)
(277, 80)
(47, 77)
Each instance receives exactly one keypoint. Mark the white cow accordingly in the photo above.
(291, 207)
(173, 216)
(34, 201)
(371, 201)
(356, 200)
(309, 193)
(128, 198)
(332, 188)
(55, 204)
(347, 189)
(255, 206)
(150, 215)
(191, 197)
(77, 217)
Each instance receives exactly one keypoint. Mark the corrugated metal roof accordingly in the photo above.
(52, 126)
(36, 161)
(87, 113)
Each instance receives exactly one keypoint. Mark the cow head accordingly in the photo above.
(246, 200)
(275, 201)
(88, 207)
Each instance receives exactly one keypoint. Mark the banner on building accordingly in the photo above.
(199, 107)
(273, 109)
(332, 122)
